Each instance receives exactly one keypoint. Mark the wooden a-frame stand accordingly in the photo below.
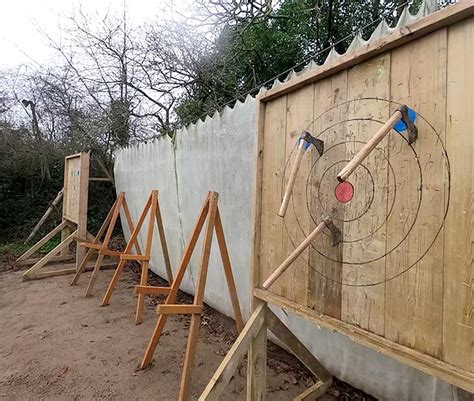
(152, 208)
(210, 211)
(253, 339)
(102, 248)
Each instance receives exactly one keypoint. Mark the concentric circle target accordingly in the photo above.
(384, 205)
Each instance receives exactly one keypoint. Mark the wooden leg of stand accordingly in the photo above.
(228, 273)
(128, 216)
(176, 283)
(141, 296)
(155, 337)
(101, 232)
(164, 246)
(113, 283)
(198, 300)
(105, 244)
(145, 264)
(189, 357)
(128, 248)
(226, 369)
(82, 267)
(257, 367)
(95, 273)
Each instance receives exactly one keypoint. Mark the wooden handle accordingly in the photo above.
(297, 252)
(291, 181)
(368, 147)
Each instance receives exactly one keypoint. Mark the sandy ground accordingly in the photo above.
(57, 345)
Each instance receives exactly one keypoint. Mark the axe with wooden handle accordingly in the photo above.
(304, 142)
(403, 118)
(336, 239)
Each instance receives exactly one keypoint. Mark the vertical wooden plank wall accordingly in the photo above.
(458, 305)
(299, 116)
(324, 286)
(414, 302)
(274, 144)
(429, 308)
(72, 187)
(363, 305)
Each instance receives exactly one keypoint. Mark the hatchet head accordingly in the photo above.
(335, 232)
(311, 140)
(409, 121)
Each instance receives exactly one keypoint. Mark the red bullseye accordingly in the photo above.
(344, 191)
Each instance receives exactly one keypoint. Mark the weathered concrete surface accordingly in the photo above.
(217, 155)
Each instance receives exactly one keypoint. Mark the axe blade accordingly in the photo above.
(408, 118)
(317, 143)
(335, 232)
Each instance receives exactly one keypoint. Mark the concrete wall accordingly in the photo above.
(218, 155)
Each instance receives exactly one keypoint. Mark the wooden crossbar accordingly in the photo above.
(91, 245)
(109, 252)
(145, 289)
(124, 256)
(179, 309)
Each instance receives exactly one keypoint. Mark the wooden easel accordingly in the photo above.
(210, 211)
(152, 208)
(73, 224)
(103, 247)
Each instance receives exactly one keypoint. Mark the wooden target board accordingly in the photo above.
(400, 281)
(76, 178)
(74, 221)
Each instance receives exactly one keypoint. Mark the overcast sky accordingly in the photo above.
(21, 43)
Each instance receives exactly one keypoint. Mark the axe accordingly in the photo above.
(304, 142)
(336, 239)
(402, 119)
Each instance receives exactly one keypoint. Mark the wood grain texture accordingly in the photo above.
(324, 277)
(414, 302)
(83, 204)
(426, 363)
(364, 306)
(146, 262)
(299, 117)
(257, 201)
(257, 366)
(72, 178)
(108, 227)
(274, 143)
(458, 319)
(418, 306)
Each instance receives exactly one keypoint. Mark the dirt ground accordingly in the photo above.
(57, 345)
